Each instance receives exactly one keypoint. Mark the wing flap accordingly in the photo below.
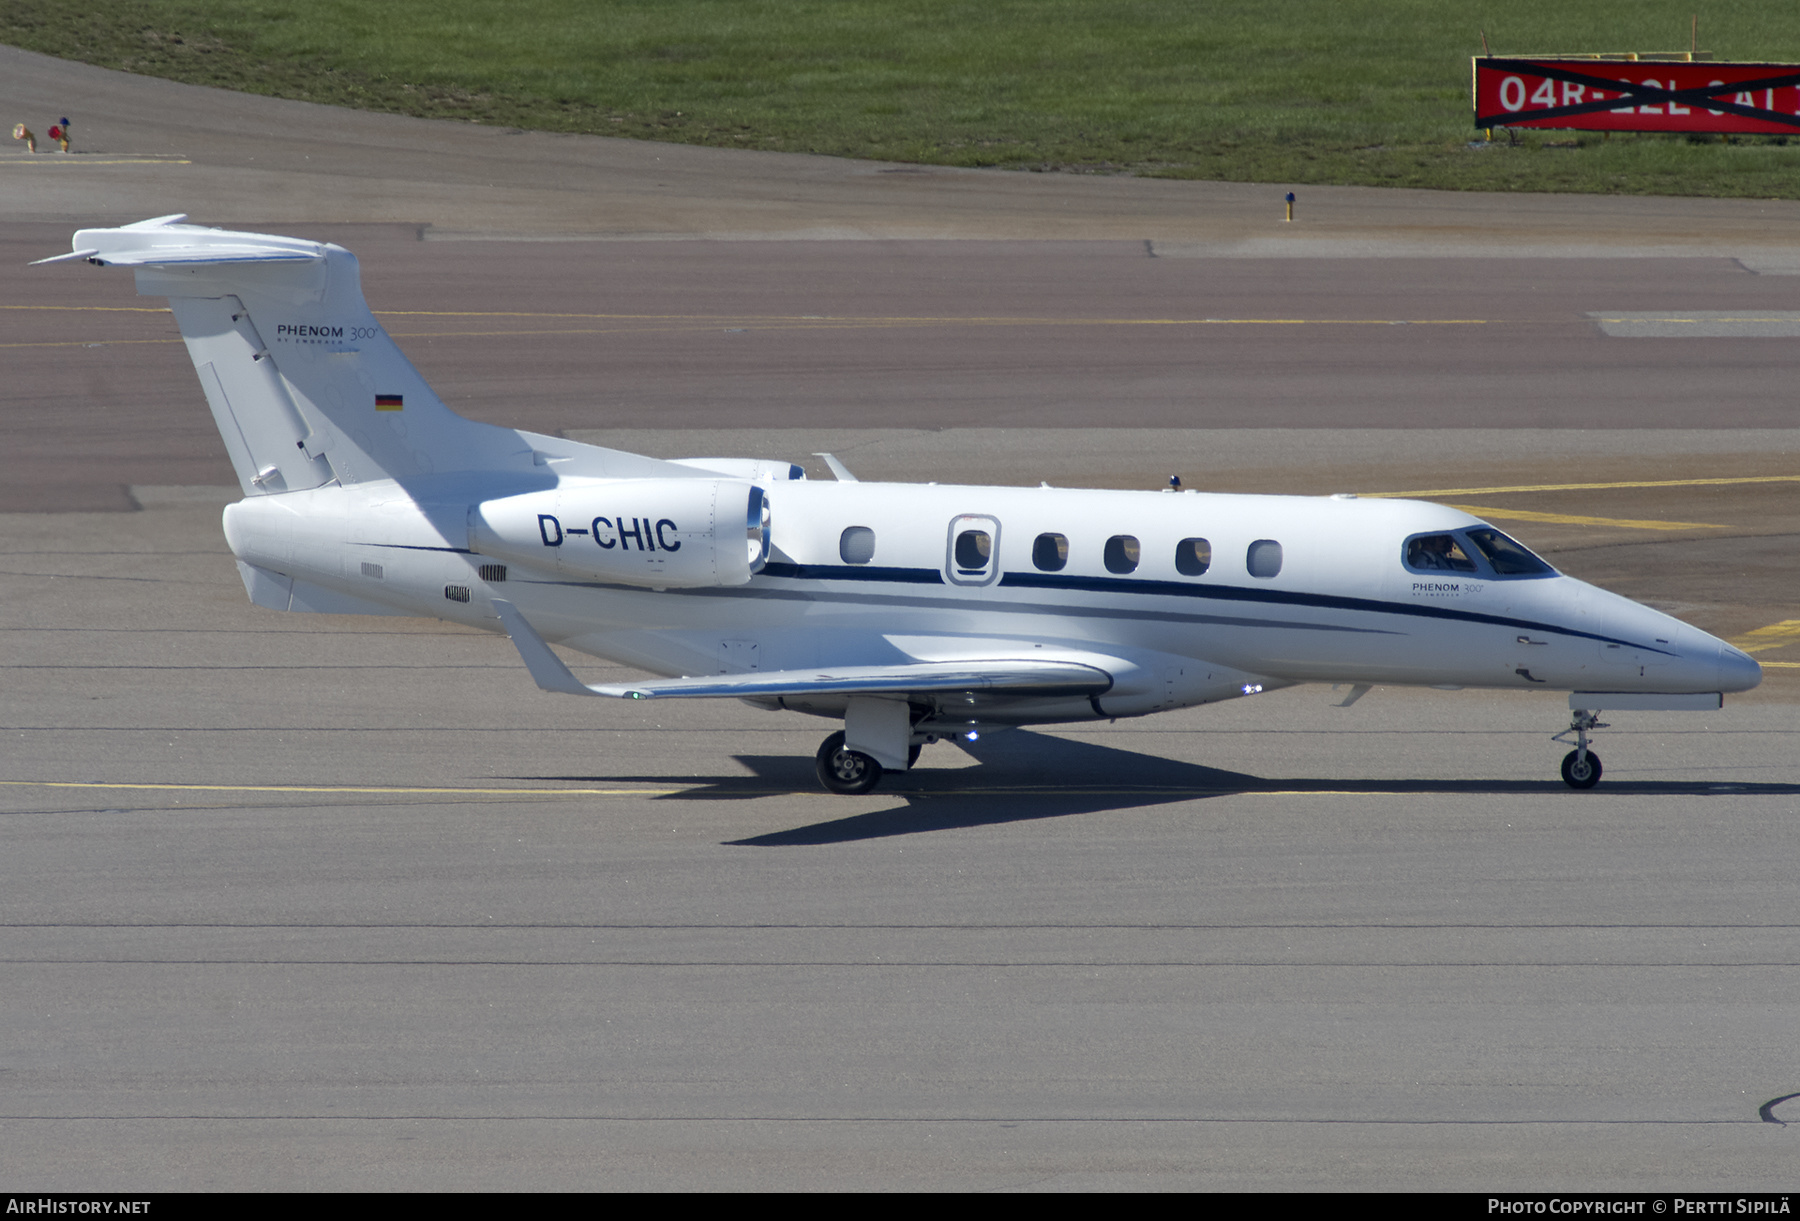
(1022, 676)
(1001, 674)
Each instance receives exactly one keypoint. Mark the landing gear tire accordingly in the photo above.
(1579, 773)
(845, 771)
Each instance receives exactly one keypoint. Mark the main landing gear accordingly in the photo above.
(851, 772)
(846, 771)
(1581, 766)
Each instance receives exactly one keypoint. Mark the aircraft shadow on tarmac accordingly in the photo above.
(1022, 777)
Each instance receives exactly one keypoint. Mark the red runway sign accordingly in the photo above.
(1638, 95)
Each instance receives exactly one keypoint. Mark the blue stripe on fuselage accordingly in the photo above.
(1180, 589)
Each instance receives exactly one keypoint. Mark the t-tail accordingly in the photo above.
(305, 385)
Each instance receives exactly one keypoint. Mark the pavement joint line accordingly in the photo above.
(855, 319)
(680, 322)
(999, 320)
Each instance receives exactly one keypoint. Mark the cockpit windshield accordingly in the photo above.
(1509, 558)
(1482, 550)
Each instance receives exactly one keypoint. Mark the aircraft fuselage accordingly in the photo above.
(1339, 603)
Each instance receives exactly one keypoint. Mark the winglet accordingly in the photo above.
(838, 470)
(546, 667)
(74, 257)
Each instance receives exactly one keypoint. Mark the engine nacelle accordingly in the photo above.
(660, 533)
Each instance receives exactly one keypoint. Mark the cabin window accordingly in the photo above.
(857, 545)
(1121, 553)
(1050, 553)
(1438, 553)
(1509, 558)
(973, 549)
(1193, 556)
(1264, 558)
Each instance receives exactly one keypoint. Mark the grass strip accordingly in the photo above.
(1372, 92)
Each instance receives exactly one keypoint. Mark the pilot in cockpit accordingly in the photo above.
(1439, 551)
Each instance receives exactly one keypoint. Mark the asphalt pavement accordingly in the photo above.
(309, 902)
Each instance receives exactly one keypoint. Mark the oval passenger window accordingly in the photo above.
(1264, 558)
(1121, 553)
(857, 545)
(972, 550)
(1193, 556)
(1050, 553)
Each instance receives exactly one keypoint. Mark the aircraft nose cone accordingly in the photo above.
(1738, 670)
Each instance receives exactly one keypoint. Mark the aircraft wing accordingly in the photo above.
(1023, 676)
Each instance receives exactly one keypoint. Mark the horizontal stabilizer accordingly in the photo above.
(1013, 676)
(164, 242)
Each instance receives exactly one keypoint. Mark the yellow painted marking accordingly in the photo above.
(1775, 636)
(1782, 665)
(98, 309)
(66, 159)
(998, 790)
(1433, 493)
(1572, 519)
(297, 788)
(86, 343)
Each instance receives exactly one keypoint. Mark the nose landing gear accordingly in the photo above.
(1581, 766)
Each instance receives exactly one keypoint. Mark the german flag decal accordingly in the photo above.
(390, 402)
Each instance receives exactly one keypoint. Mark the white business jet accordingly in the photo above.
(912, 612)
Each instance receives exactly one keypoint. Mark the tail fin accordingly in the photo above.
(304, 384)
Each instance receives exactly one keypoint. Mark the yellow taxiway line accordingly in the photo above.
(79, 159)
(301, 788)
(1775, 636)
(1572, 519)
(1436, 493)
(703, 787)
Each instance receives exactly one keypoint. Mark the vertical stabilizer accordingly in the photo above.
(305, 385)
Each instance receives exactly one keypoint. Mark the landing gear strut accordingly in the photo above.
(846, 771)
(1581, 766)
